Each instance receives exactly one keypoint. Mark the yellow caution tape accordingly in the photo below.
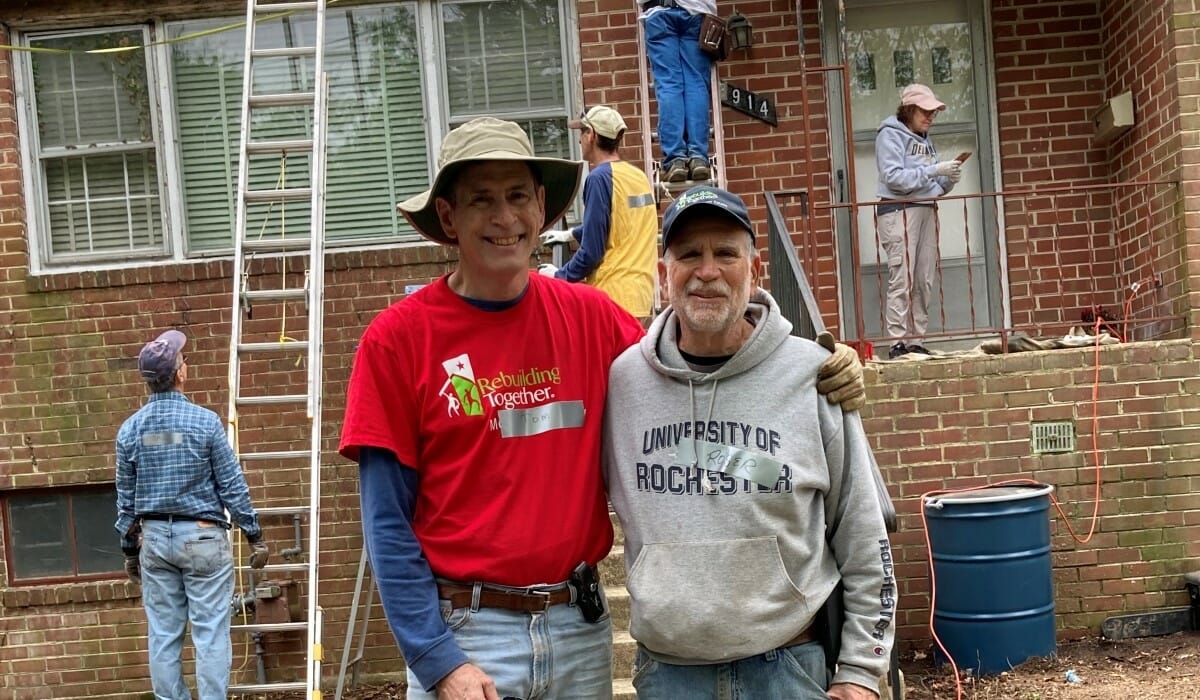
(164, 42)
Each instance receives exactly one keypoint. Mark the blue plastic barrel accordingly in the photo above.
(990, 550)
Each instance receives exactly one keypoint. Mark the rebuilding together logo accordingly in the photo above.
(466, 394)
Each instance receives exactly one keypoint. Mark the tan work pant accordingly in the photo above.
(909, 238)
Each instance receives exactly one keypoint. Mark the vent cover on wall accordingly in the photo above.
(1053, 436)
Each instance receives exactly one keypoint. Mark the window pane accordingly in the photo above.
(96, 147)
(376, 152)
(40, 536)
(104, 202)
(93, 513)
(91, 98)
(503, 56)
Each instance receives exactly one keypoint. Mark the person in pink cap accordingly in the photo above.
(909, 169)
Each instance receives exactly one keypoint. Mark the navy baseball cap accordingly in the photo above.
(700, 200)
(158, 358)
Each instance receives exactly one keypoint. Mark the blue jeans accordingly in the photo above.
(682, 75)
(795, 673)
(555, 655)
(187, 575)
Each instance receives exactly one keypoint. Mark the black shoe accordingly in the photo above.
(920, 349)
(677, 171)
(699, 169)
(897, 350)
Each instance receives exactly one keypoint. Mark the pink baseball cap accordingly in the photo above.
(921, 96)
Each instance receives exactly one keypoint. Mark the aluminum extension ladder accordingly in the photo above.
(652, 166)
(281, 433)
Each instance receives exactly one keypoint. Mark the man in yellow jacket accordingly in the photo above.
(618, 239)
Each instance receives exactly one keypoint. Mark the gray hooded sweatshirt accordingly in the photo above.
(906, 162)
(731, 554)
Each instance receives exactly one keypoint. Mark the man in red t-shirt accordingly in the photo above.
(474, 411)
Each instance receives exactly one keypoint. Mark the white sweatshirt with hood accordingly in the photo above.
(722, 567)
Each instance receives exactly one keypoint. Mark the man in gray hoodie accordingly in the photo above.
(744, 495)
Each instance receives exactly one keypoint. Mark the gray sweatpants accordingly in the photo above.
(909, 238)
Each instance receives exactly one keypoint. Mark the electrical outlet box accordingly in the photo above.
(1114, 118)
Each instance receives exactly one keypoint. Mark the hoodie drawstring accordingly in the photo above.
(712, 401)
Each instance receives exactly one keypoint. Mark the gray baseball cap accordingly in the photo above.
(159, 358)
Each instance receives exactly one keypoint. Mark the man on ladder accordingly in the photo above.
(682, 84)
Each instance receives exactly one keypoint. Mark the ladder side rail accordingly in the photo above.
(644, 99)
(718, 129)
(240, 219)
(316, 312)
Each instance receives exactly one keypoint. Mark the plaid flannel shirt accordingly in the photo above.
(173, 457)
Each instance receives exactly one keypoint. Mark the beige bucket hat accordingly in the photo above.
(485, 139)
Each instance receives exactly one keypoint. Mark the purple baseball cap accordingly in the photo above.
(159, 358)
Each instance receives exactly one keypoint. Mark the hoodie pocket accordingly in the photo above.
(715, 600)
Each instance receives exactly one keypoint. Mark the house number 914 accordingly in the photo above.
(760, 107)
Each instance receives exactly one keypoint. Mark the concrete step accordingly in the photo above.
(623, 690)
(618, 607)
(618, 535)
(612, 568)
(624, 651)
(612, 573)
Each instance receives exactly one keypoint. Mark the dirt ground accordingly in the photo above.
(1152, 668)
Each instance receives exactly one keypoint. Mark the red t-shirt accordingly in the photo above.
(500, 414)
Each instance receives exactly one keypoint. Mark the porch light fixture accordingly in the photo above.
(740, 31)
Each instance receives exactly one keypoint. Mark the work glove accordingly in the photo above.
(840, 378)
(949, 168)
(133, 568)
(547, 269)
(552, 236)
(258, 554)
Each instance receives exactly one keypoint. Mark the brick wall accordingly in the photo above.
(1184, 25)
(1056, 64)
(962, 423)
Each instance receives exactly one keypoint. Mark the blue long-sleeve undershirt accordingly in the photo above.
(592, 234)
(407, 589)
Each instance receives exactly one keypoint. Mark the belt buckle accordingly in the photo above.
(545, 599)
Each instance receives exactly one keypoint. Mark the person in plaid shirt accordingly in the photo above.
(176, 476)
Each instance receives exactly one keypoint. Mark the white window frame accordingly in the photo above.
(163, 124)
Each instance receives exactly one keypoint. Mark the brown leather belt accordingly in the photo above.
(460, 595)
(805, 636)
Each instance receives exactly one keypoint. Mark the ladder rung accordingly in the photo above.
(275, 294)
(265, 7)
(270, 400)
(291, 194)
(281, 454)
(267, 687)
(270, 626)
(284, 346)
(282, 510)
(279, 568)
(276, 245)
(284, 52)
(281, 99)
(279, 146)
